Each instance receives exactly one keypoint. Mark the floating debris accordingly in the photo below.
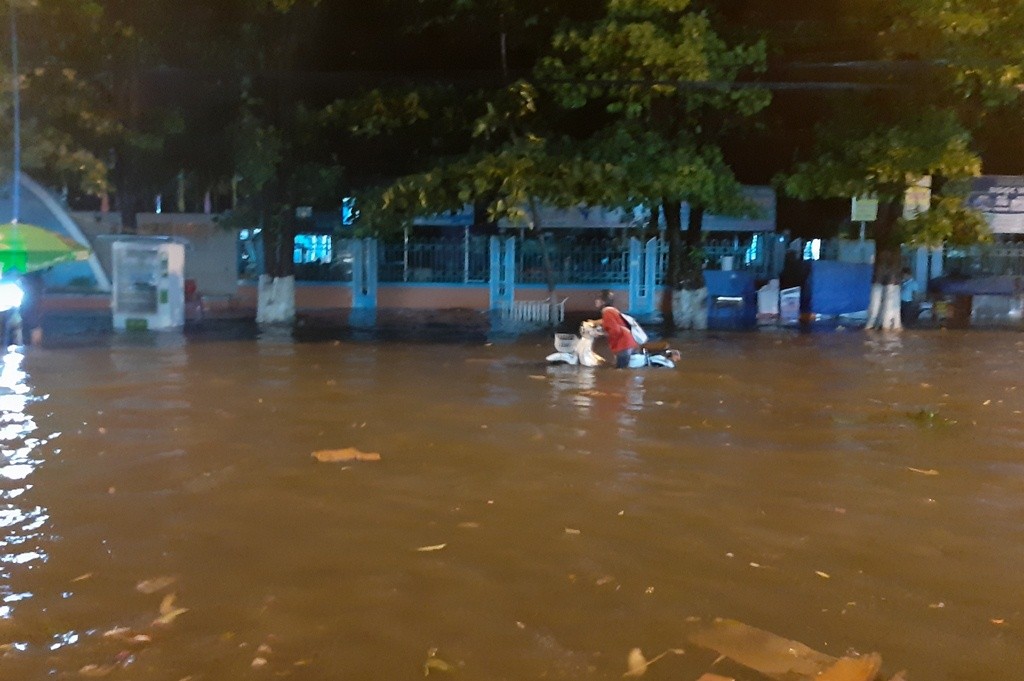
(435, 664)
(637, 664)
(347, 454)
(96, 671)
(151, 586)
(434, 547)
(168, 612)
(781, 658)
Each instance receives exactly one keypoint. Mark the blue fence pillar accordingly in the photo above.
(920, 268)
(936, 265)
(364, 274)
(643, 270)
(503, 272)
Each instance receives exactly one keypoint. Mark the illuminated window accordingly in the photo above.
(812, 250)
(313, 248)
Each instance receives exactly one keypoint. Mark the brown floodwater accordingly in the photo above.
(853, 492)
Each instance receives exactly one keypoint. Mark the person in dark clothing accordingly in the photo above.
(32, 308)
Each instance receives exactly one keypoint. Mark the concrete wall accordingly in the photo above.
(211, 257)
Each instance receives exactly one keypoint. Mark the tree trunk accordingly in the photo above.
(673, 233)
(275, 296)
(549, 270)
(884, 309)
(275, 300)
(689, 308)
(127, 87)
(129, 204)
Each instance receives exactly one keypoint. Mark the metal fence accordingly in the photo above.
(436, 261)
(594, 262)
(600, 262)
(985, 260)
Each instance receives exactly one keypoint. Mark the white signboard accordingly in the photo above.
(918, 198)
(1000, 198)
(863, 209)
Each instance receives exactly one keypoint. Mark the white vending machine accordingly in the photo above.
(149, 283)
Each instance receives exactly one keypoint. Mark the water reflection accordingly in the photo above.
(20, 543)
(573, 385)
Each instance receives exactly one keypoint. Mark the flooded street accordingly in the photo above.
(849, 491)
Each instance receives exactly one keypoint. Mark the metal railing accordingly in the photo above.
(984, 260)
(595, 262)
(600, 262)
(437, 261)
(534, 312)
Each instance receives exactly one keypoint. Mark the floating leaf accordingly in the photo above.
(169, 613)
(95, 671)
(347, 454)
(151, 586)
(435, 664)
(435, 547)
(853, 669)
(823, 575)
(923, 471)
(636, 663)
(126, 635)
(763, 651)
(571, 530)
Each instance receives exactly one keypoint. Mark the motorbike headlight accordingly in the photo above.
(11, 296)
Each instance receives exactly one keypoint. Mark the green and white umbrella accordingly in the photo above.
(28, 248)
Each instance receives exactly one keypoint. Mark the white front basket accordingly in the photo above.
(565, 342)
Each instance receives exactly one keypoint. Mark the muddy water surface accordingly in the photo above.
(848, 491)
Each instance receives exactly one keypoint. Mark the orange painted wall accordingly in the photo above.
(312, 296)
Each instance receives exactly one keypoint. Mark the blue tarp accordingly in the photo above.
(835, 288)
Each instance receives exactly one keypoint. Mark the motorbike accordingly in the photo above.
(579, 350)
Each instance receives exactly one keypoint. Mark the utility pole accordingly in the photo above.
(16, 91)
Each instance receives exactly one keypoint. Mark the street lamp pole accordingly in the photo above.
(16, 91)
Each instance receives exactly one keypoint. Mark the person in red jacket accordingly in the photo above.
(620, 338)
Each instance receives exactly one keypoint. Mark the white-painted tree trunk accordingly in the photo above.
(884, 308)
(690, 308)
(275, 300)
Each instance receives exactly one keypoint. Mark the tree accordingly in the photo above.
(666, 85)
(280, 155)
(860, 157)
(964, 61)
(63, 132)
(625, 112)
